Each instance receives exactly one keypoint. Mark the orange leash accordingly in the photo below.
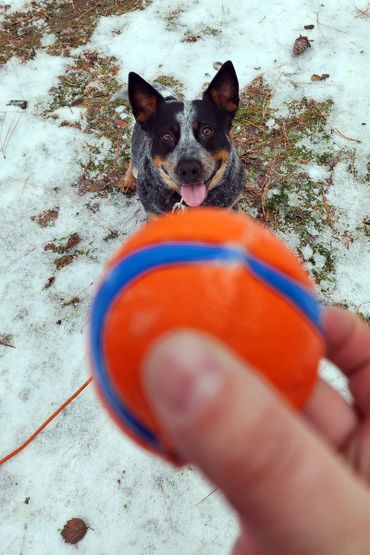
(39, 430)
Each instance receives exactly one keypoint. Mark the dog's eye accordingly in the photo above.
(167, 136)
(206, 131)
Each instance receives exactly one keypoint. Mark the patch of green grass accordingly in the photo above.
(170, 82)
(309, 117)
(326, 269)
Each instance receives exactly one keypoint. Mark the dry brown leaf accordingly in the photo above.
(191, 38)
(49, 282)
(347, 238)
(269, 216)
(322, 77)
(98, 185)
(46, 218)
(119, 123)
(74, 530)
(73, 240)
(63, 261)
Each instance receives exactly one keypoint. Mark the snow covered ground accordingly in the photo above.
(81, 466)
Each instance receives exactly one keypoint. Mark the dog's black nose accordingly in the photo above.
(189, 171)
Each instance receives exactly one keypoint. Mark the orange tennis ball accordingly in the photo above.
(210, 270)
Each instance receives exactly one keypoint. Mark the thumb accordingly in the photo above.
(287, 486)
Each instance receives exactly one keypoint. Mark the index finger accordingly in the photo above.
(348, 347)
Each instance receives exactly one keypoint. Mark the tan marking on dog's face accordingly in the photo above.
(222, 156)
(157, 161)
(161, 163)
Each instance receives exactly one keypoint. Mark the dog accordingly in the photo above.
(181, 152)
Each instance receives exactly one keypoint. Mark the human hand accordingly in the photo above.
(288, 475)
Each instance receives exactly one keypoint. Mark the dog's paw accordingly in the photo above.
(127, 187)
(127, 184)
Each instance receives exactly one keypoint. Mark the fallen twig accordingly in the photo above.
(340, 133)
(206, 497)
(364, 12)
(6, 344)
(76, 298)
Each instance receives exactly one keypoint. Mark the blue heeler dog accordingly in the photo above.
(181, 151)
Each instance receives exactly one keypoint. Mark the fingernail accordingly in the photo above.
(183, 374)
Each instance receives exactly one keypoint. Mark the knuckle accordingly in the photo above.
(268, 451)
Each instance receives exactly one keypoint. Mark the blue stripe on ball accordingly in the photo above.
(147, 259)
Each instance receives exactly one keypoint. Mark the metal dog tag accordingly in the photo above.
(179, 206)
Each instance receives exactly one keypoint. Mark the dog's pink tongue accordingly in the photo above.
(193, 195)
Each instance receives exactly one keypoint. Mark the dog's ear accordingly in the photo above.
(144, 99)
(224, 89)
